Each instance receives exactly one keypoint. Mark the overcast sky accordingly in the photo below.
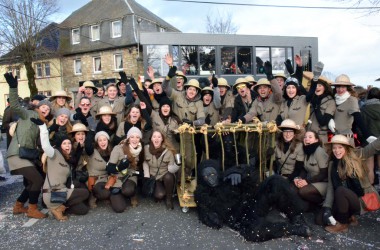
(348, 40)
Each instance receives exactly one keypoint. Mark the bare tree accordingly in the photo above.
(221, 24)
(22, 23)
(364, 3)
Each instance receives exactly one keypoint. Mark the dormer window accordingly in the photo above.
(116, 29)
(95, 32)
(75, 36)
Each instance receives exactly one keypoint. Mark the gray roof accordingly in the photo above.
(99, 10)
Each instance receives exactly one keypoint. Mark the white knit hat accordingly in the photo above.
(133, 131)
(101, 133)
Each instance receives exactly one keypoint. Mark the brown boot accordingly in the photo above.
(338, 228)
(58, 213)
(134, 201)
(169, 203)
(33, 212)
(19, 208)
(353, 221)
(92, 201)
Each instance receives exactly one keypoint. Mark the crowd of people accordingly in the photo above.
(107, 141)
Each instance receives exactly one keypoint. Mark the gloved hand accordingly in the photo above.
(80, 116)
(317, 70)
(270, 152)
(327, 218)
(268, 70)
(289, 67)
(172, 71)
(185, 120)
(54, 127)
(371, 139)
(208, 120)
(331, 125)
(37, 121)
(123, 77)
(242, 119)
(214, 81)
(124, 164)
(11, 80)
(173, 168)
(235, 179)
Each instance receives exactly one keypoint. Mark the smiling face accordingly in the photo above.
(165, 109)
(112, 92)
(134, 115)
(89, 92)
(106, 119)
(157, 139)
(338, 150)
(309, 138)
(291, 91)
(341, 90)
(191, 92)
(207, 98)
(288, 135)
(157, 88)
(85, 106)
(62, 120)
(222, 90)
(122, 88)
(80, 137)
(44, 110)
(102, 142)
(280, 81)
(100, 92)
(180, 82)
(263, 91)
(320, 89)
(134, 140)
(242, 90)
(66, 146)
(61, 100)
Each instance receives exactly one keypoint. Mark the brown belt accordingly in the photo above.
(50, 190)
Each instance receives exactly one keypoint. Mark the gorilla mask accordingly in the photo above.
(210, 176)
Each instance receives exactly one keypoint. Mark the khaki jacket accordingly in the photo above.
(296, 111)
(287, 163)
(158, 164)
(343, 116)
(227, 105)
(118, 107)
(117, 155)
(96, 166)
(169, 130)
(327, 107)
(316, 162)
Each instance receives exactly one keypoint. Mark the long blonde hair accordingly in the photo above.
(351, 165)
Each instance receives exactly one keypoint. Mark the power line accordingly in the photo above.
(277, 6)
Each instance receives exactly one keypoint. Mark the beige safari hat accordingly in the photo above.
(250, 79)
(79, 127)
(240, 81)
(222, 82)
(289, 124)
(155, 81)
(90, 84)
(262, 81)
(60, 93)
(340, 139)
(192, 83)
(281, 75)
(181, 74)
(309, 75)
(342, 80)
(105, 110)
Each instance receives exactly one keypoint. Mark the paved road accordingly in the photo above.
(151, 226)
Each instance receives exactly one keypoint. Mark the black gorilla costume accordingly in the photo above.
(237, 199)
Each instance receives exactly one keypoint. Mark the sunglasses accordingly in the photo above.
(241, 86)
(85, 104)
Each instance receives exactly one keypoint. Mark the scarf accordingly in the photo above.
(339, 99)
(310, 149)
(156, 151)
(128, 125)
(135, 151)
(158, 97)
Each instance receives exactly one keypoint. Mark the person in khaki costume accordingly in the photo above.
(98, 157)
(159, 163)
(60, 161)
(188, 106)
(289, 151)
(26, 135)
(88, 90)
(347, 182)
(127, 155)
(227, 99)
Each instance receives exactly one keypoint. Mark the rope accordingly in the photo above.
(203, 130)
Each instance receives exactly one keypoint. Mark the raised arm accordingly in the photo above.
(44, 137)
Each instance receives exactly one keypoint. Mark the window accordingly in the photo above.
(189, 55)
(17, 73)
(39, 70)
(45, 93)
(262, 55)
(116, 29)
(97, 65)
(228, 61)
(47, 69)
(75, 36)
(278, 59)
(77, 67)
(118, 61)
(95, 32)
(207, 60)
(244, 60)
(162, 29)
(156, 59)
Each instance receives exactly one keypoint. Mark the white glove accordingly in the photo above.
(331, 125)
(173, 168)
(371, 139)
